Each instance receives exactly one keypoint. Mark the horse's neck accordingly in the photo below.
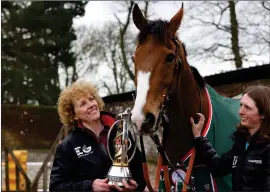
(190, 97)
(184, 103)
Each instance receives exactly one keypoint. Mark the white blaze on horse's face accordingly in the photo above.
(138, 116)
(150, 60)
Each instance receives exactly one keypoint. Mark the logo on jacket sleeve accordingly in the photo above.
(255, 161)
(83, 151)
(235, 158)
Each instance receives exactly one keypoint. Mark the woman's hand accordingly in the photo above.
(101, 185)
(131, 186)
(197, 128)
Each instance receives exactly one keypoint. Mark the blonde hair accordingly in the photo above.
(76, 90)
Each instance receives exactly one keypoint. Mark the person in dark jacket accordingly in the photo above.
(81, 161)
(249, 158)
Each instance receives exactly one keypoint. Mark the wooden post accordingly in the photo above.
(17, 178)
(6, 169)
(45, 178)
(47, 159)
(17, 163)
(28, 185)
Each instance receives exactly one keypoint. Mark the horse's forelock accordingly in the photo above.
(158, 28)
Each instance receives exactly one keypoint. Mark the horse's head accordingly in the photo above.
(158, 56)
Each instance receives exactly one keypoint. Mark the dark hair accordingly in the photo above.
(261, 96)
(157, 28)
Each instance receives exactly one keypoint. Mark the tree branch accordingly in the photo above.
(263, 4)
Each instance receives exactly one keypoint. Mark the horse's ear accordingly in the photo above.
(138, 18)
(176, 20)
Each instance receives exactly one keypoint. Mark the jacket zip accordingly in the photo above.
(103, 148)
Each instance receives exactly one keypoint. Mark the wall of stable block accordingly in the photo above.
(26, 126)
(36, 127)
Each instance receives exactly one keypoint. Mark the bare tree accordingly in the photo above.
(99, 50)
(86, 48)
(256, 22)
(123, 31)
(211, 18)
(111, 47)
(266, 5)
(225, 31)
(234, 35)
(123, 26)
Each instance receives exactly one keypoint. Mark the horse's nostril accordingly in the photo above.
(148, 123)
(150, 119)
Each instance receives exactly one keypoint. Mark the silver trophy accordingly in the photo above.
(122, 144)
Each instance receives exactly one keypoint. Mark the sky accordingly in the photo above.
(99, 12)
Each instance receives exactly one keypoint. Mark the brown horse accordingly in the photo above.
(161, 64)
(167, 84)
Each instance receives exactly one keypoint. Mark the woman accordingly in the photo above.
(81, 160)
(249, 158)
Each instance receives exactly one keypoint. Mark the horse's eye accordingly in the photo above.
(170, 57)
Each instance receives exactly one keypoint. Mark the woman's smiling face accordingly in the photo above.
(86, 108)
(249, 113)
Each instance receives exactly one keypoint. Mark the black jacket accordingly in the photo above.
(250, 167)
(80, 159)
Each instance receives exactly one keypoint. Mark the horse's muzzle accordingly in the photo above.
(148, 123)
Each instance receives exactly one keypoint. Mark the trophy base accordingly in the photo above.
(117, 173)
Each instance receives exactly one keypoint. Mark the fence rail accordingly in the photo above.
(31, 186)
(18, 169)
(44, 169)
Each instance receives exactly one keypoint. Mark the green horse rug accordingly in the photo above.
(222, 122)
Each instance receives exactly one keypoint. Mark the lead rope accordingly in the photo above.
(166, 160)
(145, 167)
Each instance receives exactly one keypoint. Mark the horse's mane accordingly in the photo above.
(158, 28)
(199, 79)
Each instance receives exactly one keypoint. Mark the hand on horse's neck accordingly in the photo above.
(95, 126)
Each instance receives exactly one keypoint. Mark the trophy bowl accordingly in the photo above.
(122, 144)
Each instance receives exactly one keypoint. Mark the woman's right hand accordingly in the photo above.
(197, 128)
(101, 185)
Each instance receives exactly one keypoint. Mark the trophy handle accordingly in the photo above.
(108, 140)
(135, 140)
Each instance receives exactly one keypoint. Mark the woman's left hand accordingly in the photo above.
(197, 128)
(131, 186)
